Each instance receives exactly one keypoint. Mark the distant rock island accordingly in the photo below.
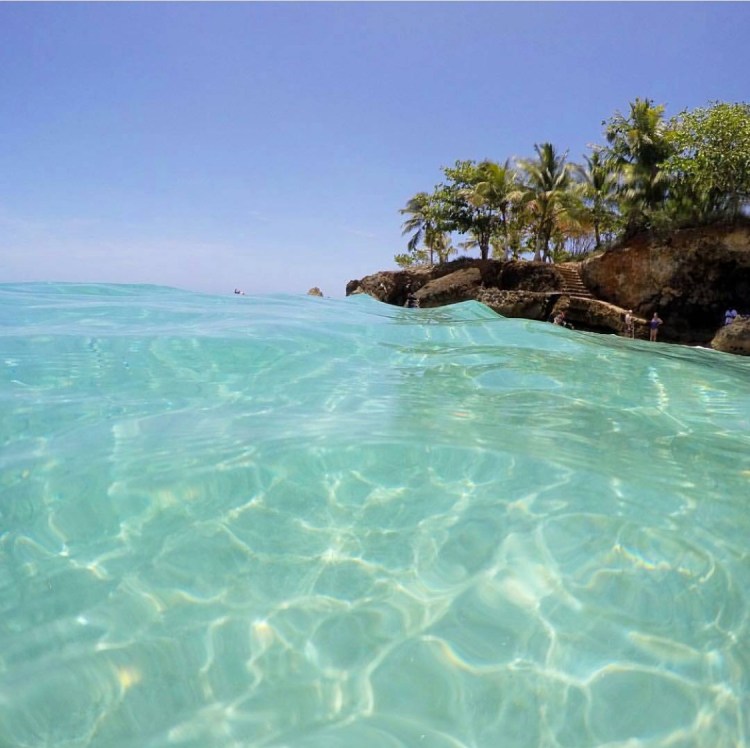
(689, 277)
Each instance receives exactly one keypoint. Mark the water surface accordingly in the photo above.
(292, 521)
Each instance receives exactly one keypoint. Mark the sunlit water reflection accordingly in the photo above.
(291, 521)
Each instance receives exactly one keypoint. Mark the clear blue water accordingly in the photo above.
(291, 521)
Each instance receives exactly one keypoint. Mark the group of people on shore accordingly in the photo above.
(653, 325)
(629, 322)
(731, 315)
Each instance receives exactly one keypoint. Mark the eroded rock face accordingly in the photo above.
(734, 338)
(434, 287)
(528, 276)
(518, 304)
(450, 289)
(689, 278)
(594, 315)
(392, 286)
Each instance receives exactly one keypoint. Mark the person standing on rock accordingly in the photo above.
(654, 324)
(629, 324)
(730, 316)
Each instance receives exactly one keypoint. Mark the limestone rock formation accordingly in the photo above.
(456, 281)
(450, 289)
(689, 278)
(523, 304)
(734, 338)
(314, 291)
(393, 286)
(594, 315)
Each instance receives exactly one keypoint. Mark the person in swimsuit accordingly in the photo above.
(629, 324)
(654, 324)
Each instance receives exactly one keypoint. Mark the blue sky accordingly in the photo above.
(270, 146)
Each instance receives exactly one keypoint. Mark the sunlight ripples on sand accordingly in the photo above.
(288, 521)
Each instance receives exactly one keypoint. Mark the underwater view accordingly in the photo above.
(290, 521)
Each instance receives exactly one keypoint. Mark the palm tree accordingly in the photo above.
(639, 146)
(424, 223)
(546, 193)
(599, 180)
(572, 237)
(443, 246)
(493, 195)
(518, 229)
(480, 197)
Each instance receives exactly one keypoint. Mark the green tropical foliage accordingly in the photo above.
(599, 182)
(426, 224)
(547, 195)
(638, 147)
(443, 247)
(479, 197)
(652, 174)
(711, 159)
(417, 257)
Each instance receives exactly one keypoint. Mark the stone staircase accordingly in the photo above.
(572, 283)
(590, 313)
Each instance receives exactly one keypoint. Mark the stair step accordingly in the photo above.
(572, 283)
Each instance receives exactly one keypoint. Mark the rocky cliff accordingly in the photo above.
(514, 289)
(689, 278)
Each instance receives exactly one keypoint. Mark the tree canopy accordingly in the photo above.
(546, 191)
(638, 148)
(711, 158)
(651, 174)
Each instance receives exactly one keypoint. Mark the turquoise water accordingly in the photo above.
(291, 521)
